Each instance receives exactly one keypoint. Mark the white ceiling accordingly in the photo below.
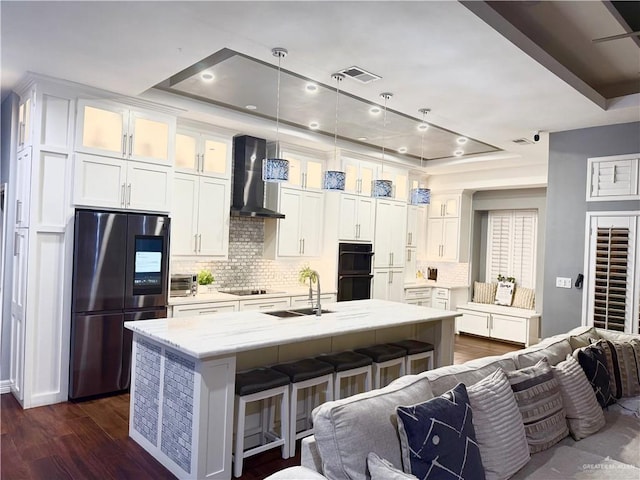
(432, 54)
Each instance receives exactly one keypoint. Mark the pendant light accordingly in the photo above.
(276, 169)
(419, 195)
(383, 188)
(335, 179)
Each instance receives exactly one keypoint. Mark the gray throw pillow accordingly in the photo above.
(584, 414)
(537, 394)
(498, 424)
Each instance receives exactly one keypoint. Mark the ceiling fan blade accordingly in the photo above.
(616, 37)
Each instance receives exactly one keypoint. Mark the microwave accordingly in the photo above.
(184, 285)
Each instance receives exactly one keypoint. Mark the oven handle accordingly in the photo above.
(340, 277)
(357, 253)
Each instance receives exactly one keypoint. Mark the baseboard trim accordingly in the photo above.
(5, 386)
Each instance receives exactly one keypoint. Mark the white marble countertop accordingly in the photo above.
(221, 296)
(231, 332)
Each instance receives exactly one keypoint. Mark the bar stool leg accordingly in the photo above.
(284, 426)
(238, 455)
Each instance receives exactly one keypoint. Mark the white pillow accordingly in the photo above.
(499, 429)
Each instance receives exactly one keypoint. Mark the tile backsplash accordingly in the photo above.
(246, 268)
(449, 273)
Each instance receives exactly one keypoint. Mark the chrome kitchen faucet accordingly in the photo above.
(318, 307)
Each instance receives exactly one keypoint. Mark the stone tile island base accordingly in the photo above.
(178, 410)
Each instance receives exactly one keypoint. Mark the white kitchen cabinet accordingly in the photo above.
(299, 234)
(416, 227)
(444, 206)
(399, 178)
(359, 175)
(23, 187)
(390, 233)
(305, 170)
(115, 130)
(265, 304)
(18, 310)
(448, 228)
(200, 216)
(476, 323)
(203, 153)
(388, 284)
(357, 218)
(208, 308)
(614, 178)
(442, 241)
(448, 298)
(114, 183)
(418, 296)
(410, 265)
(24, 121)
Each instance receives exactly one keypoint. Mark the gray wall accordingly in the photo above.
(517, 199)
(566, 216)
(8, 141)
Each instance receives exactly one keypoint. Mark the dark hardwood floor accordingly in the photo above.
(89, 440)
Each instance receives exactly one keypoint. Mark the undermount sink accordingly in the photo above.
(296, 312)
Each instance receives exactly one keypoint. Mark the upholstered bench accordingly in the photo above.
(500, 322)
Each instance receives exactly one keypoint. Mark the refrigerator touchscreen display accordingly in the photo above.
(148, 264)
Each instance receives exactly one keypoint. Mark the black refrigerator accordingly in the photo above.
(120, 274)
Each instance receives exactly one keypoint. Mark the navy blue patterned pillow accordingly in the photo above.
(594, 363)
(438, 439)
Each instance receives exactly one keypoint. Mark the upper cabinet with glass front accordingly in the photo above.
(203, 152)
(359, 174)
(114, 130)
(305, 167)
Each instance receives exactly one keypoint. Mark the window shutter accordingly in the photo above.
(611, 282)
(613, 293)
(511, 246)
(498, 244)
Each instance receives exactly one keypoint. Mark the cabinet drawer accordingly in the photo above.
(508, 328)
(421, 302)
(204, 309)
(442, 293)
(411, 293)
(265, 304)
(473, 322)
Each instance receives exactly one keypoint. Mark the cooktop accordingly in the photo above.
(259, 291)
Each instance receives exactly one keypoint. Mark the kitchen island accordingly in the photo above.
(183, 370)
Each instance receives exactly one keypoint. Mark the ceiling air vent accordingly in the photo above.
(359, 74)
(523, 141)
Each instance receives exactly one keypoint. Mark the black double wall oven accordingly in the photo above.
(354, 271)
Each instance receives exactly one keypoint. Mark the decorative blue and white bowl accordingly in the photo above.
(420, 196)
(275, 170)
(382, 189)
(333, 180)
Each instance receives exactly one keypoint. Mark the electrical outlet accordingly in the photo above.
(563, 282)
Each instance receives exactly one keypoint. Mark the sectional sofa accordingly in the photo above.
(348, 431)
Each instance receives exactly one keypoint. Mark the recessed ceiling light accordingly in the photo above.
(311, 87)
(314, 125)
(458, 153)
(423, 127)
(207, 77)
(462, 140)
(362, 139)
(250, 107)
(375, 110)
(402, 150)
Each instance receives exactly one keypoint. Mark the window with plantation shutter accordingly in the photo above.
(613, 273)
(511, 246)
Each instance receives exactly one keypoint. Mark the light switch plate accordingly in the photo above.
(563, 282)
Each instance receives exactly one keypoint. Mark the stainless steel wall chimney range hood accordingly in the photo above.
(248, 186)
